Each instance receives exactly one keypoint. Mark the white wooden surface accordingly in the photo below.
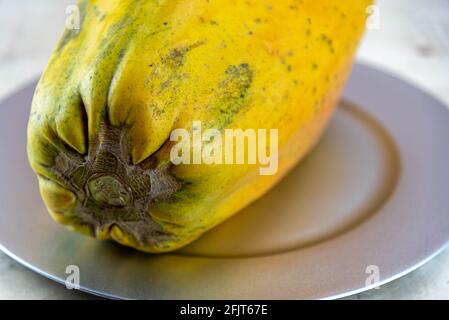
(412, 41)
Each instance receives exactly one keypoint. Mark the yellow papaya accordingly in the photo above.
(115, 90)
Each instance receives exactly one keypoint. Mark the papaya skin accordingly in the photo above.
(113, 91)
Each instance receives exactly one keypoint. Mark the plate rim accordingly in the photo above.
(415, 266)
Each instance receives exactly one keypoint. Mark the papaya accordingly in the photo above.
(114, 91)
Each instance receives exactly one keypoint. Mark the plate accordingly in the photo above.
(369, 204)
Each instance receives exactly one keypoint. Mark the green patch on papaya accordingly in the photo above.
(66, 37)
(232, 94)
(167, 76)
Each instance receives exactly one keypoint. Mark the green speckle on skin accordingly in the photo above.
(328, 41)
(232, 92)
(68, 35)
(170, 67)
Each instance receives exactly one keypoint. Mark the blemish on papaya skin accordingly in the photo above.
(328, 41)
(173, 62)
(95, 10)
(232, 93)
(176, 57)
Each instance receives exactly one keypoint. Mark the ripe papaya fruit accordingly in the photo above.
(114, 91)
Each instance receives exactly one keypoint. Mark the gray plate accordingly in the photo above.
(374, 192)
